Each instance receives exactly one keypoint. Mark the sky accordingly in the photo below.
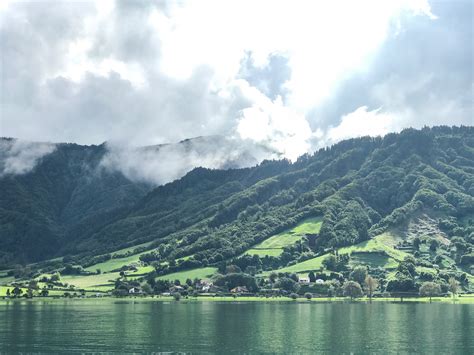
(292, 76)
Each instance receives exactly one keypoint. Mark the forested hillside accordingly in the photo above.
(418, 185)
(64, 195)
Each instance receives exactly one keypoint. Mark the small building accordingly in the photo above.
(239, 289)
(203, 286)
(176, 288)
(319, 281)
(135, 291)
(303, 280)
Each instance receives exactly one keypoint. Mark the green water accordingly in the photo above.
(146, 326)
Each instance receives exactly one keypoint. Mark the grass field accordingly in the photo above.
(131, 249)
(274, 245)
(114, 264)
(142, 270)
(3, 291)
(95, 282)
(201, 273)
(305, 266)
(4, 279)
(368, 253)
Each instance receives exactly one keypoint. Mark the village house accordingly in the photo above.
(204, 286)
(303, 280)
(239, 289)
(176, 288)
(135, 291)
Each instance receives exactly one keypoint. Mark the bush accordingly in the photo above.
(177, 296)
(352, 289)
(308, 295)
(293, 296)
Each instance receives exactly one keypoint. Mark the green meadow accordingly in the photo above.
(375, 252)
(182, 276)
(274, 245)
(96, 282)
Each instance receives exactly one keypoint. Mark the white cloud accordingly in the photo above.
(272, 124)
(324, 41)
(20, 157)
(152, 72)
(162, 164)
(363, 122)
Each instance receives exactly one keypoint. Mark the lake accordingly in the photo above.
(110, 325)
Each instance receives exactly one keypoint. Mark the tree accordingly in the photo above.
(232, 269)
(251, 270)
(370, 286)
(359, 274)
(308, 296)
(453, 286)
(287, 284)
(294, 296)
(312, 276)
(233, 280)
(147, 289)
(430, 289)
(44, 292)
(17, 291)
(273, 276)
(352, 289)
(416, 243)
(407, 266)
(8, 292)
(55, 277)
(33, 284)
(330, 262)
(177, 296)
(434, 245)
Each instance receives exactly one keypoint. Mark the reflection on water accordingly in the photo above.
(139, 326)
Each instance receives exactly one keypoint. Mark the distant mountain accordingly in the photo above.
(70, 205)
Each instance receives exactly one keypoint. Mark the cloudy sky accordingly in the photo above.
(293, 76)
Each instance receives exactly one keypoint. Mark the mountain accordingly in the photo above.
(63, 195)
(417, 184)
(56, 195)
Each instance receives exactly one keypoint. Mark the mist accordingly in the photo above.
(161, 164)
(19, 157)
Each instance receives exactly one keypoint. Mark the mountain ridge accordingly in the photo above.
(361, 187)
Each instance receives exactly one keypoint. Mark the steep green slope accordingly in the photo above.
(66, 194)
(360, 188)
(275, 245)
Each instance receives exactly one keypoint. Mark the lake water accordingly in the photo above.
(224, 327)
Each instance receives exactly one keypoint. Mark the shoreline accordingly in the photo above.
(469, 299)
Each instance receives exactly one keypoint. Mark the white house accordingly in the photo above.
(134, 291)
(303, 280)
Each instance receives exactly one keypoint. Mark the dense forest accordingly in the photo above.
(71, 208)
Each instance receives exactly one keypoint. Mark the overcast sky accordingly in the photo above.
(291, 75)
